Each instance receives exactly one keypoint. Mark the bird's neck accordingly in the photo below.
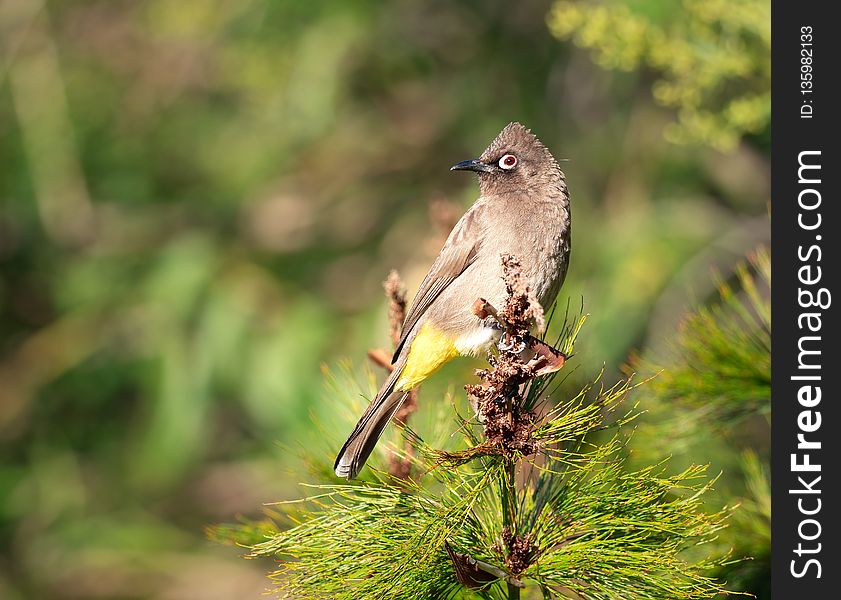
(554, 193)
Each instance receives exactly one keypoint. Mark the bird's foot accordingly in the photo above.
(509, 344)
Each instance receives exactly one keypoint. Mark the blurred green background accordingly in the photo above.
(199, 201)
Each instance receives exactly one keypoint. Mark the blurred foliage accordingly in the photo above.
(721, 371)
(712, 59)
(198, 202)
(749, 534)
(712, 402)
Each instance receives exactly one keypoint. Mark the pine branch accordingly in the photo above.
(528, 500)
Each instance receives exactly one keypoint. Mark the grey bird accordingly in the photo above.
(523, 210)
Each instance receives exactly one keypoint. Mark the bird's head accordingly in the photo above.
(514, 160)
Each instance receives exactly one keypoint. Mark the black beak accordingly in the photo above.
(472, 165)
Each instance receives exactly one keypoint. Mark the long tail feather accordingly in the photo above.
(368, 430)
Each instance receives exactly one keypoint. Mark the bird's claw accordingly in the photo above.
(508, 344)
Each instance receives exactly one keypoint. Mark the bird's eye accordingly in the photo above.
(508, 162)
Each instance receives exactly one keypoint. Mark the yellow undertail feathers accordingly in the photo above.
(430, 349)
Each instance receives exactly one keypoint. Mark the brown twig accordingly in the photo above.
(381, 358)
(484, 309)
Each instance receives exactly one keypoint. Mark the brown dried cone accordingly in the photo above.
(395, 291)
(521, 308)
(498, 405)
(498, 400)
(519, 551)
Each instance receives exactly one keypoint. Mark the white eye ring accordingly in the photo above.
(508, 162)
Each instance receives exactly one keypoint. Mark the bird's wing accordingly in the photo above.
(458, 253)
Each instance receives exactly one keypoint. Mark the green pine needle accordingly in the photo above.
(584, 524)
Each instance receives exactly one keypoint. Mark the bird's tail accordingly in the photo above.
(370, 427)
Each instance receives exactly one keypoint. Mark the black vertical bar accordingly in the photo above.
(805, 102)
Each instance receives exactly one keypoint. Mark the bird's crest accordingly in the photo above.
(514, 137)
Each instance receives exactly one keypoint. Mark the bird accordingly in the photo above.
(522, 210)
